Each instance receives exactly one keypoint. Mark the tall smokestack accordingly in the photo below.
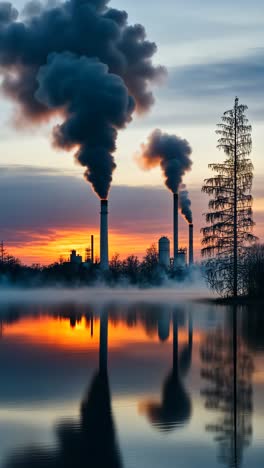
(92, 250)
(175, 226)
(191, 244)
(104, 263)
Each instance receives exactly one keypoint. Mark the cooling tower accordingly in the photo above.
(190, 244)
(175, 227)
(104, 263)
(164, 252)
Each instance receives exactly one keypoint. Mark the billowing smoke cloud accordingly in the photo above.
(7, 13)
(185, 204)
(86, 29)
(171, 153)
(83, 27)
(95, 104)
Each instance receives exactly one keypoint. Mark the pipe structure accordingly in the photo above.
(104, 261)
(190, 244)
(175, 227)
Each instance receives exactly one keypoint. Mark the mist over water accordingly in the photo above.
(172, 293)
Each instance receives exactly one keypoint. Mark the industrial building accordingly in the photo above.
(179, 259)
(76, 259)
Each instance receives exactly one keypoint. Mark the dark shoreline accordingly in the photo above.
(237, 301)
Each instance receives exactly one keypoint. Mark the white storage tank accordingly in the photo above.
(164, 252)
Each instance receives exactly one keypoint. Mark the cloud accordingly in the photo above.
(41, 207)
(196, 93)
(38, 206)
(238, 76)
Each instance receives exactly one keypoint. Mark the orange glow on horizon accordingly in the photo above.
(46, 249)
(58, 333)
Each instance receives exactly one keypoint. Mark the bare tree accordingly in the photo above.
(229, 219)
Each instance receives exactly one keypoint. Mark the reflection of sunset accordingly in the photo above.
(47, 247)
(58, 332)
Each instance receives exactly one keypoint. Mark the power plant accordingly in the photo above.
(179, 259)
(76, 259)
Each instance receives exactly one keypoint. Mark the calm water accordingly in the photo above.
(135, 386)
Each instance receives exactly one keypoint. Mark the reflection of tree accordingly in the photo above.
(91, 442)
(253, 327)
(174, 410)
(228, 367)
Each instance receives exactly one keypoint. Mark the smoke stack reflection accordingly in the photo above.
(90, 442)
(175, 408)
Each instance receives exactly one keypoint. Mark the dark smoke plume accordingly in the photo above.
(95, 104)
(171, 153)
(84, 29)
(7, 13)
(185, 204)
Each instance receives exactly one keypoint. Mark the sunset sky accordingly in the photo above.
(213, 51)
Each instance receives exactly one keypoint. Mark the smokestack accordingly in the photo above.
(104, 263)
(92, 250)
(190, 244)
(175, 226)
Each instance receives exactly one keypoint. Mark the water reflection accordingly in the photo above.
(253, 328)
(90, 442)
(175, 407)
(228, 369)
(144, 340)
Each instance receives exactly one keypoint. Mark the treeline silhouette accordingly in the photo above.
(130, 271)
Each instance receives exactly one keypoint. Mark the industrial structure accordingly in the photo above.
(76, 259)
(164, 252)
(104, 256)
(190, 244)
(89, 252)
(179, 259)
(176, 227)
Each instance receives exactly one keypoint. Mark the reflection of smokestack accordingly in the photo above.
(92, 249)
(175, 226)
(104, 236)
(190, 244)
(103, 346)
